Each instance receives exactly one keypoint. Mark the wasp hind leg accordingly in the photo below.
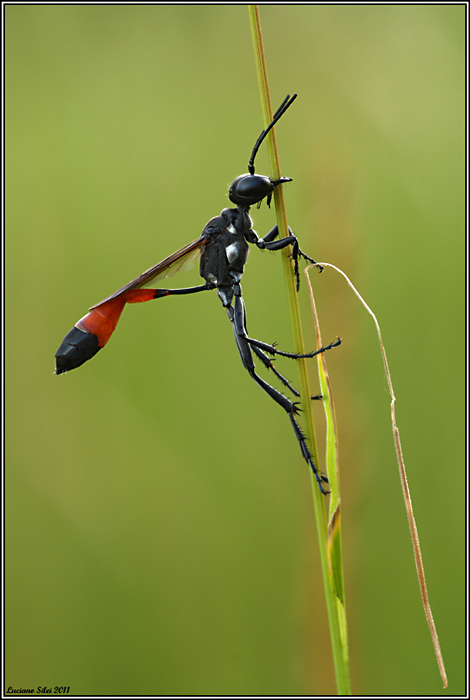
(237, 317)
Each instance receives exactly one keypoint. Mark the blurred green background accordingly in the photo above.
(159, 528)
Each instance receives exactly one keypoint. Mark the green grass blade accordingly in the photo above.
(334, 602)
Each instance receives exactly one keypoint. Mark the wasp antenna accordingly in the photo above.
(287, 102)
(277, 115)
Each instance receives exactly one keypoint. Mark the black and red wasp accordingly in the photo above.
(222, 249)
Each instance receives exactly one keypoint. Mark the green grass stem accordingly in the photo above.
(329, 533)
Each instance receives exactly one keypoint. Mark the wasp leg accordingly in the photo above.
(269, 365)
(237, 317)
(292, 355)
(269, 243)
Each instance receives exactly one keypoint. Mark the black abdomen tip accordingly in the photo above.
(76, 348)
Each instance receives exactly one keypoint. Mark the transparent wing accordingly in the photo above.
(183, 259)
